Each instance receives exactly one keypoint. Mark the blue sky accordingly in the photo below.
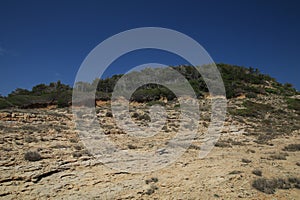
(46, 41)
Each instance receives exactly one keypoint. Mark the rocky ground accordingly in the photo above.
(257, 156)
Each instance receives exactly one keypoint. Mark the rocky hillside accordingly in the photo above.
(257, 156)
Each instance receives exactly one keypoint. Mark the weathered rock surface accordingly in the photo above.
(67, 170)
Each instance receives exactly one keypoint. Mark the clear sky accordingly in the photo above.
(46, 41)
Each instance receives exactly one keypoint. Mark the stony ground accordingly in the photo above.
(42, 157)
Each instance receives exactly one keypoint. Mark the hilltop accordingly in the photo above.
(238, 81)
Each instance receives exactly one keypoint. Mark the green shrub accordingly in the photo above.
(63, 98)
(4, 103)
(103, 96)
(151, 103)
(272, 91)
(293, 104)
(146, 95)
(20, 100)
(251, 95)
(61, 103)
(252, 109)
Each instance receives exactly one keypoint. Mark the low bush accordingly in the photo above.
(108, 114)
(30, 139)
(252, 109)
(235, 172)
(151, 103)
(279, 156)
(293, 104)
(4, 103)
(130, 146)
(77, 154)
(257, 172)
(151, 180)
(222, 143)
(265, 185)
(269, 186)
(151, 190)
(245, 160)
(292, 147)
(144, 117)
(251, 95)
(32, 156)
(264, 138)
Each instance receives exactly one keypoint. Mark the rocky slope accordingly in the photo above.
(257, 156)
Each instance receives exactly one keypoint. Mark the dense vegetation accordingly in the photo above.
(237, 81)
(40, 96)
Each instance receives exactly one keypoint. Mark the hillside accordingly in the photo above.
(43, 155)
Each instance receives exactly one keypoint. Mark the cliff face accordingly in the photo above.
(256, 157)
